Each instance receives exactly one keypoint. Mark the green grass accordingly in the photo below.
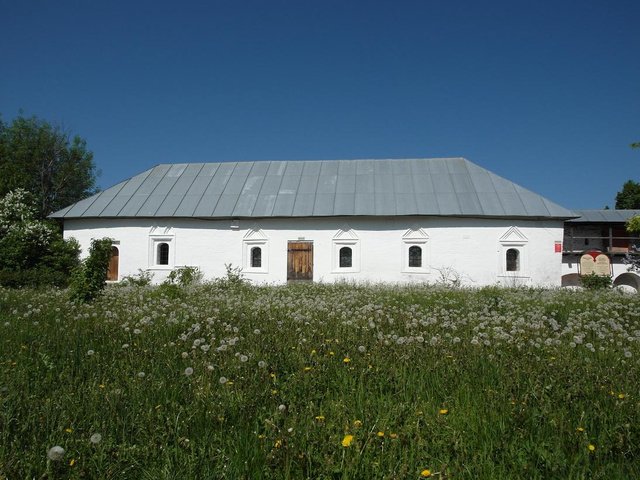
(528, 378)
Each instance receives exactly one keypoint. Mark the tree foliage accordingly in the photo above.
(33, 250)
(43, 159)
(629, 196)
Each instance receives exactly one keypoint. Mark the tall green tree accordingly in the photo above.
(45, 160)
(629, 196)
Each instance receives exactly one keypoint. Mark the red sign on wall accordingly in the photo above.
(558, 247)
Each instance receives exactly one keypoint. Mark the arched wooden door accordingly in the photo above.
(112, 273)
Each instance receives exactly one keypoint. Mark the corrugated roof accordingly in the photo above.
(436, 186)
(604, 216)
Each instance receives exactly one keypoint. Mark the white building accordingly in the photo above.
(417, 220)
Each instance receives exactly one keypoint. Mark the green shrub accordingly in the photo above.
(89, 278)
(141, 279)
(185, 276)
(595, 282)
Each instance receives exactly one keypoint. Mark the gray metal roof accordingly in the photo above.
(604, 216)
(436, 186)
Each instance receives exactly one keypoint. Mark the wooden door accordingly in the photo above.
(112, 272)
(300, 261)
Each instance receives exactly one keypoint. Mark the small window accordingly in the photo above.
(513, 260)
(163, 254)
(346, 257)
(415, 256)
(256, 257)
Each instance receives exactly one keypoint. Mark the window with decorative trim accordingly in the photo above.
(346, 251)
(255, 252)
(513, 254)
(161, 248)
(415, 243)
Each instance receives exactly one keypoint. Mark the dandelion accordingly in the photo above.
(621, 396)
(320, 418)
(243, 358)
(125, 345)
(141, 374)
(68, 430)
(278, 443)
(55, 453)
(282, 407)
(591, 447)
(307, 369)
(362, 349)
(425, 473)
(346, 360)
(96, 438)
(223, 380)
(188, 371)
(393, 435)
(90, 352)
(443, 411)
(210, 367)
(347, 441)
(380, 434)
(580, 429)
(357, 423)
(262, 364)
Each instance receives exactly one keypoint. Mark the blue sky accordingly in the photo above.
(546, 93)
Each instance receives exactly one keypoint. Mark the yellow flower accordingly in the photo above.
(68, 430)
(332, 353)
(357, 423)
(380, 434)
(347, 440)
(313, 352)
(621, 396)
(580, 429)
(592, 447)
(72, 462)
(320, 418)
(346, 360)
(425, 473)
(278, 443)
(306, 369)
(393, 435)
(443, 411)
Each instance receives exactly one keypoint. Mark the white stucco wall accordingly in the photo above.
(473, 247)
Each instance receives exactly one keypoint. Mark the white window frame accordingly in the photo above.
(345, 238)
(514, 239)
(419, 238)
(155, 239)
(255, 238)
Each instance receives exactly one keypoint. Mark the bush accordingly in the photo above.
(185, 276)
(90, 277)
(595, 282)
(141, 279)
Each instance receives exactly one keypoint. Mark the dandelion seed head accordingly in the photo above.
(95, 438)
(223, 380)
(55, 453)
(188, 371)
(90, 352)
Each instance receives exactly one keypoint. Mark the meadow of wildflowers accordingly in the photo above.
(319, 381)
